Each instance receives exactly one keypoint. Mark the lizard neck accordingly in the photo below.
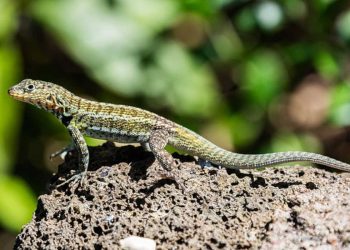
(67, 107)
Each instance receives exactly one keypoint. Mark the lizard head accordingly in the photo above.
(44, 95)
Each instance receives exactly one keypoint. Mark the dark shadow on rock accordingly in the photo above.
(284, 184)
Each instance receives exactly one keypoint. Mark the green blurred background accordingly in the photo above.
(251, 76)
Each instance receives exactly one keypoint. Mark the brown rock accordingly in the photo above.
(285, 207)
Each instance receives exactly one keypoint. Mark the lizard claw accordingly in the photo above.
(75, 178)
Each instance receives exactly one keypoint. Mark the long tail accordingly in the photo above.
(194, 144)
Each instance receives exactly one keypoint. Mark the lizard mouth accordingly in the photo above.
(18, 95)
(12, 92)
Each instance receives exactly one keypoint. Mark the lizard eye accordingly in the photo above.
(30, 87)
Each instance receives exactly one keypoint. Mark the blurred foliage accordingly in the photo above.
(340, 108)
(112, 42)
(264, 76)
(17, 201)
(253, 76)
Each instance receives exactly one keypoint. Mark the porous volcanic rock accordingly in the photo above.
(288, 207)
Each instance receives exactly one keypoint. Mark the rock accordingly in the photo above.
(284, 207)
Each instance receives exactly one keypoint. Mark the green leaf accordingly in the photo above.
(326, 64)
(9, 71)
(17, 203)
(245, 20)
(340, 104)
(107, 41)
(343, 25)
(244, 130)
(154, 15)
(182, 83)
(264, 77)
(285, 141)
(8, 20)
(204, 8)
(295, 9)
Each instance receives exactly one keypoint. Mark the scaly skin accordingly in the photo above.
(129, 124)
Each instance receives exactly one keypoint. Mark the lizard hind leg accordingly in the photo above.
(157, 142)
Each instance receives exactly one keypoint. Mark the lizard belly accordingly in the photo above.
(113, 134)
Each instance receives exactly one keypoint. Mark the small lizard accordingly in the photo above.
(129, 124)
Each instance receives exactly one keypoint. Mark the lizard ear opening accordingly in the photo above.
(51, 102)
(49, 98)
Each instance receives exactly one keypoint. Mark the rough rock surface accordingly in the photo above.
(277, 208)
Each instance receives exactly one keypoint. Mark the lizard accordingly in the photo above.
(128, 124)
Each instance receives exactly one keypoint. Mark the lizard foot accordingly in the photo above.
(172, 175)
(74, 179)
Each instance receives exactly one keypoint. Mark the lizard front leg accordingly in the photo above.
(83, 153)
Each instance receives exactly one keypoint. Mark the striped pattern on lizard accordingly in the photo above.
(129, 124)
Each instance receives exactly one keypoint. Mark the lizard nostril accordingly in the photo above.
(9, 91)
